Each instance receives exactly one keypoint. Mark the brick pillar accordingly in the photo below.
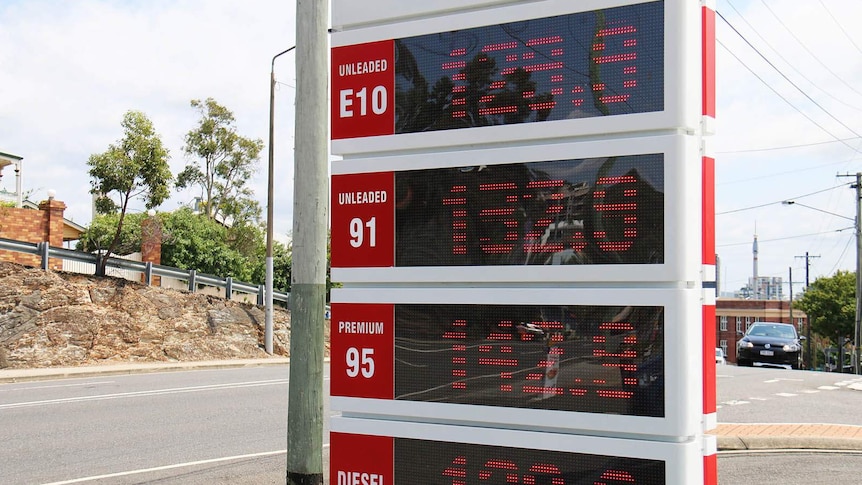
(151, 244)
(52, 217)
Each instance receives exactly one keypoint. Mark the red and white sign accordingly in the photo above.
(363, 90)
(362, 350)
(361, 459)
(363, 220)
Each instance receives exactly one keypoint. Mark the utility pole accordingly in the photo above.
(267, 333)
(857, 338)
(808, 324)
(308, 275)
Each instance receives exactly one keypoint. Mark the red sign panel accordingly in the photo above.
(360, 459)
(363, 90)
(362, 350)
(363, 220)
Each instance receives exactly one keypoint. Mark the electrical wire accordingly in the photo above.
(785, 99)
(780, 201)
(790, 64)
(840, 27)
(785, 238)
(851, 130)
(784, 147)
(814, 56)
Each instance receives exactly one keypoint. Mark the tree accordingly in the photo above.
(223, 163)
(102, 229)
(136, 166)
(830, 304)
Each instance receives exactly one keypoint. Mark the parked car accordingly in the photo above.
(719, 356)
(771, 344)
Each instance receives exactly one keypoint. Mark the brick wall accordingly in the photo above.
(151, 244)
(35, 226)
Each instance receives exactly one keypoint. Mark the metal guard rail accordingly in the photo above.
(46, 251)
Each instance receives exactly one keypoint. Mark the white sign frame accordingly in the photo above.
(683, 460)
(682, 202)
(683, 365)
(682, 106)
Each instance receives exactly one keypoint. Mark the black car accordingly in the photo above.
(770, 344)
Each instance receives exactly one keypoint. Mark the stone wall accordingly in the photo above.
(52, 318)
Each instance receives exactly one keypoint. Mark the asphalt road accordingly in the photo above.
(55, 431)
(230, 426)
(767, 395)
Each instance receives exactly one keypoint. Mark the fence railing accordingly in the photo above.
(194, 279)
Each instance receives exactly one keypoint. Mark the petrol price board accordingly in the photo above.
(565, 359)
(394, 453)
(602, 71)
(599, 211)
(517, 220)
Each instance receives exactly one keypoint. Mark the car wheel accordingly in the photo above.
(743, 363)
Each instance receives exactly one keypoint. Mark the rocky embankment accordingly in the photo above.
(64, 319)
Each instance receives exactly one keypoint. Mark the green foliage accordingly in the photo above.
(192, 241)
(223, 164)
(136, 166)
(830, 304)
(103, 228)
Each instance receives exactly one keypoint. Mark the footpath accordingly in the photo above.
(730, 436)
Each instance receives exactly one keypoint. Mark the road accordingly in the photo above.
(229, 426)
(56, 431)
(764, 395)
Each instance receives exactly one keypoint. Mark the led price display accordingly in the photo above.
(588, 64)
(380, 460)
(579, 358)
(597, 359)
(563, 212)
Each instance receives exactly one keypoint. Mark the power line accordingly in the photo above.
(784, 147)
(780, 201)
(814, 56)
(785, 172)
(785, 238)
(790, 64)
(788, 80)
(785, 99)
(840, 27)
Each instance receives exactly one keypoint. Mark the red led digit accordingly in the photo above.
(622, 210)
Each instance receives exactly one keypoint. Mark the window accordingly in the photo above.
(723, 345)
(723, 324)
(747, 323)
(738, 324)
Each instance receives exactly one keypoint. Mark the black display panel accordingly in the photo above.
(606, 210)
(582, 358)
(600, 63)
(445, 463)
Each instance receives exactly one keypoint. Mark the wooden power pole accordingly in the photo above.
(308, 275)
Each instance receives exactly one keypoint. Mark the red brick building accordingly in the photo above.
(734, 315)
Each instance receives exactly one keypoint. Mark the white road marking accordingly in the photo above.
(784, 394)
(736, 403)
(810, 391)
(171, 467)
(154, 392)
(770, 381)
(759, 398)
(57, 385)
(828, 388)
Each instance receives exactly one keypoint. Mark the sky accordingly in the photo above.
(788, 124)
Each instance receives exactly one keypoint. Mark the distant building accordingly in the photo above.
(9, 192)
